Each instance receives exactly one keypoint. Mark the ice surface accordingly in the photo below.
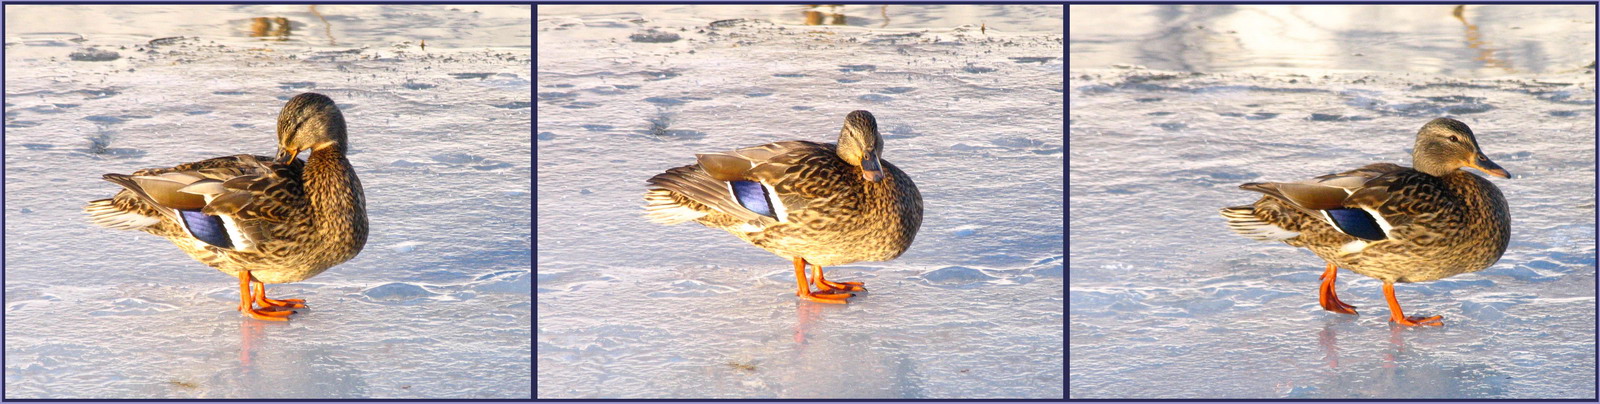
(436, 306)
(632, 309)
(1166, 302)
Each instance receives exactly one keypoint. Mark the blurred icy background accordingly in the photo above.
(969, 99)
(437, 305)
(1172, 107)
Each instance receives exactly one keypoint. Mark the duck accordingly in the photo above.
(1397, 224)
(816, 204)
(263, 220)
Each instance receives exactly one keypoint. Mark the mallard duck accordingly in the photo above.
(816, 203)
(1393, 223)
(259, 219)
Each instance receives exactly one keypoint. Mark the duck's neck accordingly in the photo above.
(335, 194)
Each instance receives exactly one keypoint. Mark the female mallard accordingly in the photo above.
(260, 219)
(1389, 222)
(808, 202)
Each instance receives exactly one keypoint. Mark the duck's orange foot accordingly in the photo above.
(258, 292)
(830, 298)
(266, 303)
(1330, 299)
(1414, 321)
(845, 286)
(1398, 316)
(281, 315)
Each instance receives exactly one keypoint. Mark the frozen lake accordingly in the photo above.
(438, 305)
(1166, 302)
(969, 100)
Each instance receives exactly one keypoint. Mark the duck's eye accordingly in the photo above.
(1453, 138)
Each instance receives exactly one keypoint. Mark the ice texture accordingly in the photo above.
(632, 309)
(437, 305)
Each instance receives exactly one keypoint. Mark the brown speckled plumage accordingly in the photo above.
(1442, 220)
(831, 211)
(289, 220)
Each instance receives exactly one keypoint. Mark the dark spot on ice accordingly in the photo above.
(857, 68)
(975, 69)
(1149, 99)
(1336, 118)
(394, 292)
(513, 105)
(1566, 114)
(596, 127)
(557, 96)
(664, 101)
(1171, 126)
(242, 125)
(1159, 113)
(546, 136)
(104, 119)
(760, 94)
(94, 55)
(654, 36)
(1032, 59)
(847, 81)
(296, 85)
(662, 75)
(802, 108)
(21, 124)
(956, 277)
(165, 41)
(896, 90)
(38, 146)
(580, 105)
(411, 85)
(198, 112)
(1456, 99)
(875, 98)
(1470, 109)
(626, 86)
(228, 92)
(468, 76)
(1261, 115)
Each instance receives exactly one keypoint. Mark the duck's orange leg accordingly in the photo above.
(1399, 317)
(1329, 299)
(805, 290)
(824, 284)
(265, 303)
(247, 299)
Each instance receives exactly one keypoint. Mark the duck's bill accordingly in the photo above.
(287, 156)
(871, 169)
(1489, 167)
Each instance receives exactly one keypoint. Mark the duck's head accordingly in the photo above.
(310, 121)
(1445, 145)
(859, 144)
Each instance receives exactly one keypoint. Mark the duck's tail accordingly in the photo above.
(1243, 220)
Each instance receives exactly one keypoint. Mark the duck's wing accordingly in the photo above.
(227, 202)
(757, 185)
(1366, 203)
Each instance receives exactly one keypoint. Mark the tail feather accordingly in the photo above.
(104, 212)
(1242, 220)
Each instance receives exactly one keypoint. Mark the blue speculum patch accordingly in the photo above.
(206, 228)
(753, 196)
(1356, 222)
